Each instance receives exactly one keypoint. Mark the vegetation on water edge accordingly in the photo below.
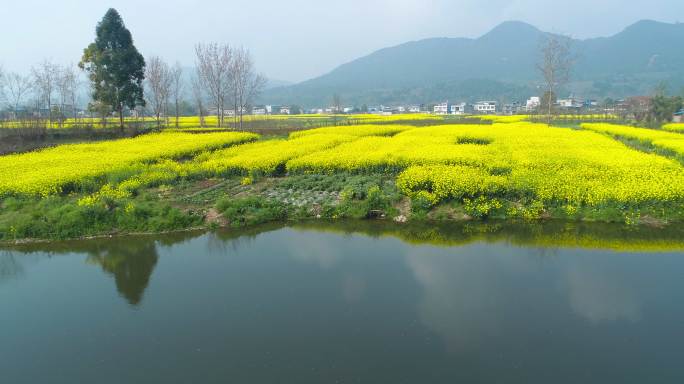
(219, 203)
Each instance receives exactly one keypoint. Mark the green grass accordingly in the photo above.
(63, 218)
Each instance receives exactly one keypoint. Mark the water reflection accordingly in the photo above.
(597, 296)
(465, 292)
(348, 302)
(131, 264)
(130, 260)
(10, 267)
(601, 295)
(543, 236)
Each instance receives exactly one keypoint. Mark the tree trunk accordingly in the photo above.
(176, 114)
(121, 119)
(548, 116)
(235, 113)
(219, 114)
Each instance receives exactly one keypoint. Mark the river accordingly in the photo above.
(348, 303)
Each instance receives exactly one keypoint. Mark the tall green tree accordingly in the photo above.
(663, 108)
(115, 67)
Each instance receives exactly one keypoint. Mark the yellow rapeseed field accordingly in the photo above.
(66, 167)
(265, 157)
(546, 163)
(669, 141)
(355, 130)
(516, 160)
(674, 127)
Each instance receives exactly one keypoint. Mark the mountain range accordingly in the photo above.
(500, 65)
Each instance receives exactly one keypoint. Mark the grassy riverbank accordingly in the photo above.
(214, 203)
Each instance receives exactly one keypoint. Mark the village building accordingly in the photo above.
(457, 109)
(441, 108)
(678, 116)
(485, 107)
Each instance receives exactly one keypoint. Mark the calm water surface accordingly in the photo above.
(347, 304)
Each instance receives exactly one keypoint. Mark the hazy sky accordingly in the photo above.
(296, 39)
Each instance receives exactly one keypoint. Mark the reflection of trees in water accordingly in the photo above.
(131, 262)
(9, 266)
(130, 259)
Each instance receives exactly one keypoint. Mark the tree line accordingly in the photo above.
(49, 89)
(121, 80)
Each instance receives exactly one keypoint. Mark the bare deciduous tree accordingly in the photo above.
(555, 66)
(45, 81)
(17, 86)
(246, 84)
(158, 78)
(2, 85)
(67, 82)
(177, 88)
(214, 67)
(198, 95)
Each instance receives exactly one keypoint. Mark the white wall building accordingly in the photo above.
(485, 107)
(570, 103)
(458, 109)
(441, 109)
(532, 103)
(414, 109)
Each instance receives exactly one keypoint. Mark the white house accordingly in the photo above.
(260, 110)
(532, 103)
(485, 107)
(284, 110)
(457, 109)
(414, 109)
(570, 103)
(441, 109)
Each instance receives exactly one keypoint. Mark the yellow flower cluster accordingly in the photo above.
(354, 130)
(669, 141)
(547, 163)
(503, 119)
(265, 157)
(453, 144)
(69, 167)
(439, 182)
(674, 127)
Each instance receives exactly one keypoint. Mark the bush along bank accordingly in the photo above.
(238, 203)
